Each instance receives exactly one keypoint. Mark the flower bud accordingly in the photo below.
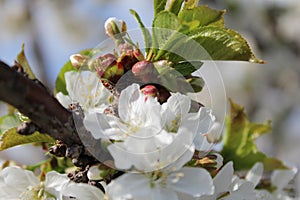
(125, 48)
(108, 68)
(113, 74)
(138, 54)
(150, 90)
(113, 27)
(127, 60)
(145, 71)
(78, 60)
(107, 60)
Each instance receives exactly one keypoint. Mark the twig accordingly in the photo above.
(33, 100)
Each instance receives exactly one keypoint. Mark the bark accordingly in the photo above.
(34, 100)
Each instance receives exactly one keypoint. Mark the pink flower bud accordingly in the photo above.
(107, 60)
(125, 48)
(78, 60)
(145, 71)
(150, 90)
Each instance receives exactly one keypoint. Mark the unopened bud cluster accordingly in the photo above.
(128, 58)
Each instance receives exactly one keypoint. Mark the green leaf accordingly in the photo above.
(172, 79)
(206, 43)
(197, 83)
(145, 31)
(60, 83)
(12, 138)
(159, 5)
(223, 44)
(164, 25)
(174, 6)
(239, 141)
(21, 58)
(8, 122)
(201, 16)
(187, 67)
(166, 20)
(271, 164)
(181, 48)
(189, 4)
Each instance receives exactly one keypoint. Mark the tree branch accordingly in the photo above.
(32, 99)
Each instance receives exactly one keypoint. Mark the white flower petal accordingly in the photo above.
(18, 177)
(281, 195)
(82, 191)
(91, 124)
(281, 178)
(163, 194)
(223, 179)
(136, 111)
(205, 120)
(130, 186)
(94, 173)
(175, 109)
(63, 99)
(104, 126)
(178, 103)
(147, 158)
(219, 160)
(54, 183)
(86, 89)
(263, 195)
(127, 96)
(15, 180)
(181, 156)
(122, 158)
(255, 173)
(203, 146)
(200, 124)
(194, 181)
(245, 191)
(214, 133)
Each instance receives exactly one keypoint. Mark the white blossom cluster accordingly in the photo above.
(153, 143)
(188, 183)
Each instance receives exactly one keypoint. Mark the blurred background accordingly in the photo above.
(53, 30)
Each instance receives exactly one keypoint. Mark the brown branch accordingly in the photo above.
(33, 100)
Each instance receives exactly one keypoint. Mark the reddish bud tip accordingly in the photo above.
(145, 71)
(150, 90)
(138, 54)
